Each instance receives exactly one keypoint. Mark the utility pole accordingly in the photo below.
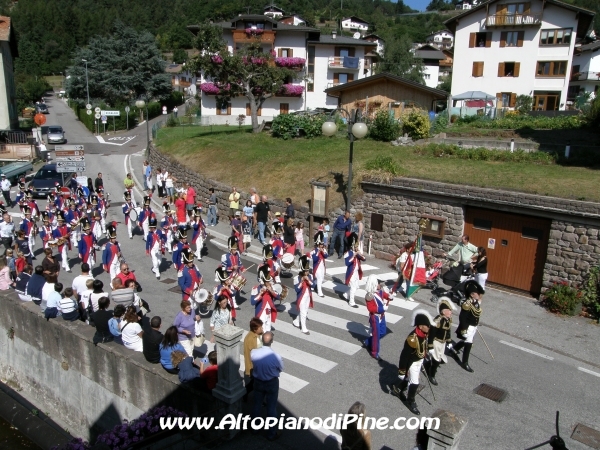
(87, 86)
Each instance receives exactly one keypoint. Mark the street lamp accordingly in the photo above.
(87, 86)
(141, 104)
(356, 129)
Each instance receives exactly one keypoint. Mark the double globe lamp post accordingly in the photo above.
(356, 129)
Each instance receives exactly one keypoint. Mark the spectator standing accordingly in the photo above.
(234, 202)
(465, 250)
(248, 211)
(100, 320)
(170, 187)
(262, 215)
(212, 208)
(5, 281)
(289, 210)
(354, 438)
(7, 230)
(50, 264)
(190, 199)
(98, 182)
(175, 112)
(5, 186)
(221, 316)
(266, 367)
(180, 208)
(129, 183)
(299, 235)
(152, 338)
(159, 182)
(97, 294)
(185, 324)
(358, 227)
(340, 228)
(254, 198)
(289, 236)
(131, 331)
(253, 340)
(147, 170)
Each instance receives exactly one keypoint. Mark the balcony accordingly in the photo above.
(513, 20)
(583, 76)
(337, 62)
(330, 85)
(265, 36)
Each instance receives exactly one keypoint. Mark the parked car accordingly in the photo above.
(41, 108)
(56, 135)
(45, 178)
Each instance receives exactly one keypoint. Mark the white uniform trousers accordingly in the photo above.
(156, 255)
(199, 244)
(97, 231)
(320, 276)
(92, 259)
(413, 373)
(300, 320)
(75, 236)
(170, 241)
(64, 258)
(146, 228)
(115, 268)
(470, 334)
(266, 319)
(353, 285)
(31, 242)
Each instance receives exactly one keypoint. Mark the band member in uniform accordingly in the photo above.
(263, 299)
(233, 266)
(439, 336)
(303, 284)
(468, 320)
(169, 225)
(182, 243)
(96, 220)
(225, 290)
(87, 243)
(29, 228)
(145, 215)
(112, 252)
(21, 195)
(62, 233)
(199, 233)
(128, 206)
(377, 301)
(277, 241)
(190, 279)
(32, 204)
(411, 360)
(46, 229)
(269, 261)
(73, 216)
(102, 205)
(155, 246)
(319, 255)
(353, 259)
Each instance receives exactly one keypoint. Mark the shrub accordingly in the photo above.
(440, 123)
(515, 122)
(523, 104)
(383, 163)
(172, 121)
(590, 290)
(416, 125)
(562, 298)
(287, 126)
(384, 127)
(484, 154)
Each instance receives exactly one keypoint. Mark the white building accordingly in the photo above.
(441, 39)
(376, 40)
(273, 11)
(354, 23)
(293, 20)
(511, 49)
(431, 58)
(9, 116)
(467, 4)
(585, 73)
(326, 61)
(182, 80)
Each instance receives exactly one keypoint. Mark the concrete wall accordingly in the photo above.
(87, 389)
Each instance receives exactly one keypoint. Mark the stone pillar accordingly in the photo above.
(230, 388)
(447, 436)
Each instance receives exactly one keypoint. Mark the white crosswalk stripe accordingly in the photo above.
(335, 322)
(342, 269)
(317, 338)
(360, 293)
(343, 305)
(287, 382)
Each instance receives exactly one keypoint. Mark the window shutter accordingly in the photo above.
(501, 69)
(513, 100)
(520, 38)
(279, 51)
(351, 52)
(228, 109)
(259, 111)
(499, 96)
(475, 70)
(488, 39)
(337, 51)
(350, 77)
(218, 110)
(248, 110)
(290, 52)
(517, 69)
(503, 39)
(472, 40)
(478, 69)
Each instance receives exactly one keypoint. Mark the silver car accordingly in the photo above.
(56, 135)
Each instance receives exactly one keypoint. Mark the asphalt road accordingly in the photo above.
(328, 371)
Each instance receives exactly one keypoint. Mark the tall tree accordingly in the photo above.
(120, 68)
(398, 59)
(249, 72)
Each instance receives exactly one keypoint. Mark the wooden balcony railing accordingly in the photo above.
(337, 62)
(511, 20)
(266, 37)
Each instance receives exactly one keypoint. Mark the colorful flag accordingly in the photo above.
(418, 276)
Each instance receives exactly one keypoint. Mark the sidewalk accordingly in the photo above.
(512, 315)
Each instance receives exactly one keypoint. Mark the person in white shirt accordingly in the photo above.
(5, 186)
(131, 331)
(48, 290)
(159, 182)
(53, 297)
(97, 294)
(7, 230)
(79, 284)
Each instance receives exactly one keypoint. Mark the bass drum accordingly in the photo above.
(133, 214)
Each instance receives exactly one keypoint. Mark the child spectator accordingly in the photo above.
(68, 305)
(20, 262)
(246, 233)
(299, 234)
(114, 323)
(5, 281)
(85, 307)
(209, 374)
(53, 302)
(10, 261)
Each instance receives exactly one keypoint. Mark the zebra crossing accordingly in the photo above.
(356, 328)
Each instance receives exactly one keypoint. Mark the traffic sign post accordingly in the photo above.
(104, 119)
(88, 107)
(127, 109)
(88, 112)
(74, 150)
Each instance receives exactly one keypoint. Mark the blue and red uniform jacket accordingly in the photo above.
(26, 226)
(146, 214)
(198, 228)
(177, 254)
(190, 277)
(301, 289)
(353, 265)
(62, 232)
(110, 253)
(46, 233)
(127, 208)
(277, 245)
(153, 238)
(233, 260)
(318, 258)
(86, 246)
(266, 301)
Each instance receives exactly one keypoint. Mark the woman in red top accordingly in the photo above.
(180, 208)
(190, 199)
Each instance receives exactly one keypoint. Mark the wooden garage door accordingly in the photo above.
(516, 246)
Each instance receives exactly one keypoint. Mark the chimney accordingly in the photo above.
(333, 34)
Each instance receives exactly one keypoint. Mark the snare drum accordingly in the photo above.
(238, 282)
(277, 288)
(287, 260)
(133, 214)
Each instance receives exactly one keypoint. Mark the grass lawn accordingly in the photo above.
(281, 168)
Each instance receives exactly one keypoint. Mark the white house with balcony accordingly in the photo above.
(441, 39)
(585, 72)
(431, 58)
(320, 61)
(507, 49)
(182, 80)
(467, 4)
(354, 23)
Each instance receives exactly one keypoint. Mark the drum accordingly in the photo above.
(238, 282)
(203, 300)
(287, 261)
(281, 290)
(133, 214)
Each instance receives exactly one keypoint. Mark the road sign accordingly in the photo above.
(164, 108)
(40, 119)
(70, 169)
(88, 107)
(111, 113)
(65, 153)
(89, 112)
(104, 119)
(97, 116)
(69, 147)
(97, 109)
(71, 158)
(127, 109)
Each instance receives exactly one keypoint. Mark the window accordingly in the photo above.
(512, 38)
(508, 99)
(532, 233)
(344, 51)
(284, 108)
(249, 111)
(310, 85)
(482, 224)
(509, 69)
(255, 25)
(560, 36)
(426, 76)
(435, 226)
(551, 68)
(285, 53)
(480, 40)
(545, 101)
(343, 78)
(478, 68)
(224, 109)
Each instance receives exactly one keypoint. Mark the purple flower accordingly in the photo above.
(217, 59)
(292, 90)
(254, 31)
(209, 88)
(290, 62)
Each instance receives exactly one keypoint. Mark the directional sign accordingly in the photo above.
(89, 112)
(97, 109)
(70, 169)
(71, 158)
(65, 153)
(127, 109)
(88, 107)
(111, 113)
(97, 116)
(70, 163)
(69, 147)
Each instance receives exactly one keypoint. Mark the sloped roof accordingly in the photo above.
(591, 47)
(373, 35)
(585, 16)
(277, 26)
(4, 28)
(355, 19)
(337, 90)
(429, 52)
(272, 7)
(327, 39)
(439, 31)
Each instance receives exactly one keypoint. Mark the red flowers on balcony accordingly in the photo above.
(213, 89)
(290, 63)
(291, 90)
(254, 31)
